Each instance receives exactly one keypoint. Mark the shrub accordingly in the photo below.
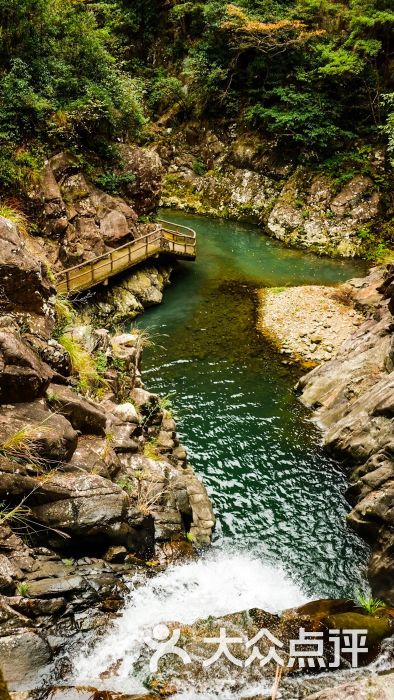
(199, 168)
(165, 91)
(112, 183)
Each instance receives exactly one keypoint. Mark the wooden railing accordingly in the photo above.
(167, 237)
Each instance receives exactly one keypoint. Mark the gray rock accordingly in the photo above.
(93, 506)
(84, 415)
(371, 688)
(353, 398)
(95, 456)
(55, 586)
(46, 436)
(23, 376)
(24, 659)
(23, 285)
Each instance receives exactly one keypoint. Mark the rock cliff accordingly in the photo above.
(326, 209)
(352, 397)
(94, 482)
(76, 220)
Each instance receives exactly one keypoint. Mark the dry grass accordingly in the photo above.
(23, 444)
(83, 365)
(17, 217)
(150, 450)
(149, 495)
(17, 514)
(20, 516)
(145, 338)
(148, 492)
(343, 295)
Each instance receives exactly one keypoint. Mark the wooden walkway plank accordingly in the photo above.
(169, 238)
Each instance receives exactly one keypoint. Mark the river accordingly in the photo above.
(281, 536)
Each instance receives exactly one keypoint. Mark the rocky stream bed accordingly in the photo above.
(99, 500)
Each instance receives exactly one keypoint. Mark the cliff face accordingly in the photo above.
(352, 396)
(76, 220)
(324, 208)
(95, 475)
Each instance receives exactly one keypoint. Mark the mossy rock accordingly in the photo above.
(379, 627)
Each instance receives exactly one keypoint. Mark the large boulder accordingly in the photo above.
(74, 692)
(52, 353)
(373, 687)
(84, 504)
(176, 498)
(15, 482)
(9, 575)
(322, 619)
(381, 566)
(83, 414)
(23, 282)
(24, 658)
(367, 427)
(92, 511)
(123, 301)
(95, 456)
(353, 398)
(54, 209)
(4, 694)
(82, 220)
(23, 376)
(143, 188)
(29, 432)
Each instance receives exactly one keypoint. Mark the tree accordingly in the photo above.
(246, 32)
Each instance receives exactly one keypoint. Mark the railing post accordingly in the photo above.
(165, 237)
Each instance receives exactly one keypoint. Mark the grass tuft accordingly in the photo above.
(23, 589)
(22, 445)
(65, 315)
(150, 450)
(83, 365)
(17, 217)
(370, 604)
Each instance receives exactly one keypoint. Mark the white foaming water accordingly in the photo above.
(216, 585)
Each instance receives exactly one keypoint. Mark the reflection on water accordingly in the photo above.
(281, 535)
(274, 490)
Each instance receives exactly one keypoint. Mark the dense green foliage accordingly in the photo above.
(309, 71)
(314, 73)
(59, 82)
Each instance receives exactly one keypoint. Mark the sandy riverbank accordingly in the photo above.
(309, 323)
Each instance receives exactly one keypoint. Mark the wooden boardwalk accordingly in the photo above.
(168, 238)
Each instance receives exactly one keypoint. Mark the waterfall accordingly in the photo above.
(216, 585)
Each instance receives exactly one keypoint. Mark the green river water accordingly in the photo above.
(275, 493)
